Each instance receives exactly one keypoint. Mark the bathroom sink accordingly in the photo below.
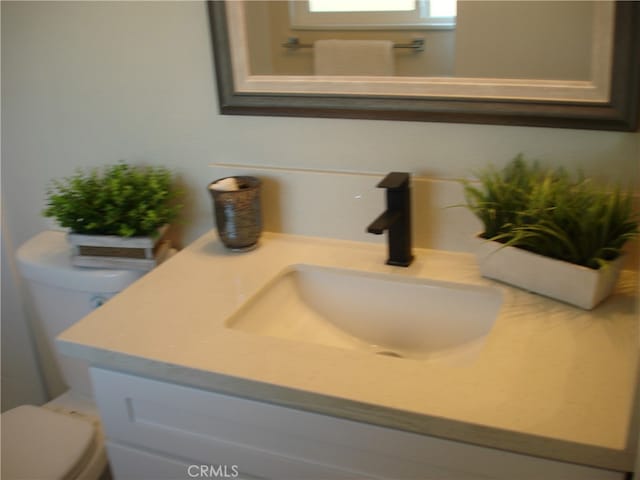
(385, 314)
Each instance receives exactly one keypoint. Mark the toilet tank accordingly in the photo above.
(59, 295)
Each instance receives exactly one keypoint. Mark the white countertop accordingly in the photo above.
(552, 380)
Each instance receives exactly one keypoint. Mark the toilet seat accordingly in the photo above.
(38, 443)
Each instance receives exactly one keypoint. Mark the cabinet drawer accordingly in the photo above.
(278, 442)
(199, 427)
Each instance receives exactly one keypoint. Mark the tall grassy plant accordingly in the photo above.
(547, 212)
(121, 200)
(502, 196)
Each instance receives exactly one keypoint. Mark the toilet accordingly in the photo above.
(62, 439)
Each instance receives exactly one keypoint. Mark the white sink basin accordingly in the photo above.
(379, 313)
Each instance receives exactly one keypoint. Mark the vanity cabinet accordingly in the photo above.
(158, 430)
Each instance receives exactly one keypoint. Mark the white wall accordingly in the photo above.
(20, 373)
(89, 83)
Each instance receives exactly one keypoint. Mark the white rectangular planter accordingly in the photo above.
(580, 286)
(112, 251)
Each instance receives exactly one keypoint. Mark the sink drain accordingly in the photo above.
(388, 353)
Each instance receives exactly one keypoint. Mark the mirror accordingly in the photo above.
(267, 68)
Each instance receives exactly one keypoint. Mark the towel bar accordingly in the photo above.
(417, 44)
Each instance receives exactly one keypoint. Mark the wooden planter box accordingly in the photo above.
(112, 251)
(574, 284)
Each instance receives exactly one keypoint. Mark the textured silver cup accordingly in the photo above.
(238, 213)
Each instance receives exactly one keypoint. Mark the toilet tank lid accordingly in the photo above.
(46, 258)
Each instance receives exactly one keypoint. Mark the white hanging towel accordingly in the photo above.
(353, 57)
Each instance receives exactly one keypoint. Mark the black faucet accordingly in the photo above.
(396, 219)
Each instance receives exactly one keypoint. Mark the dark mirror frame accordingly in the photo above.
(620, 113)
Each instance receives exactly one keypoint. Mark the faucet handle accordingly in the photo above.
(395, 181)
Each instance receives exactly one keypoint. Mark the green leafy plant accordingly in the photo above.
(547, 212)
(120, 200)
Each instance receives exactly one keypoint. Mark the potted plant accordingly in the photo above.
(549, 233)
(117, 216)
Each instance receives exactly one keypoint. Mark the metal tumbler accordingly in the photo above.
(238, 214)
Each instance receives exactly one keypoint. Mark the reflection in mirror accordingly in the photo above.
(561, 63)
(375, 58)
(532, 39)
(490, 39)
(272, 24)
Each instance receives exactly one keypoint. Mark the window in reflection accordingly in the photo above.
(361, 5)
(368, 14)
(443, 8)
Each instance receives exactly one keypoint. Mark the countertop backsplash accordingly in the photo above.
(340, 204)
